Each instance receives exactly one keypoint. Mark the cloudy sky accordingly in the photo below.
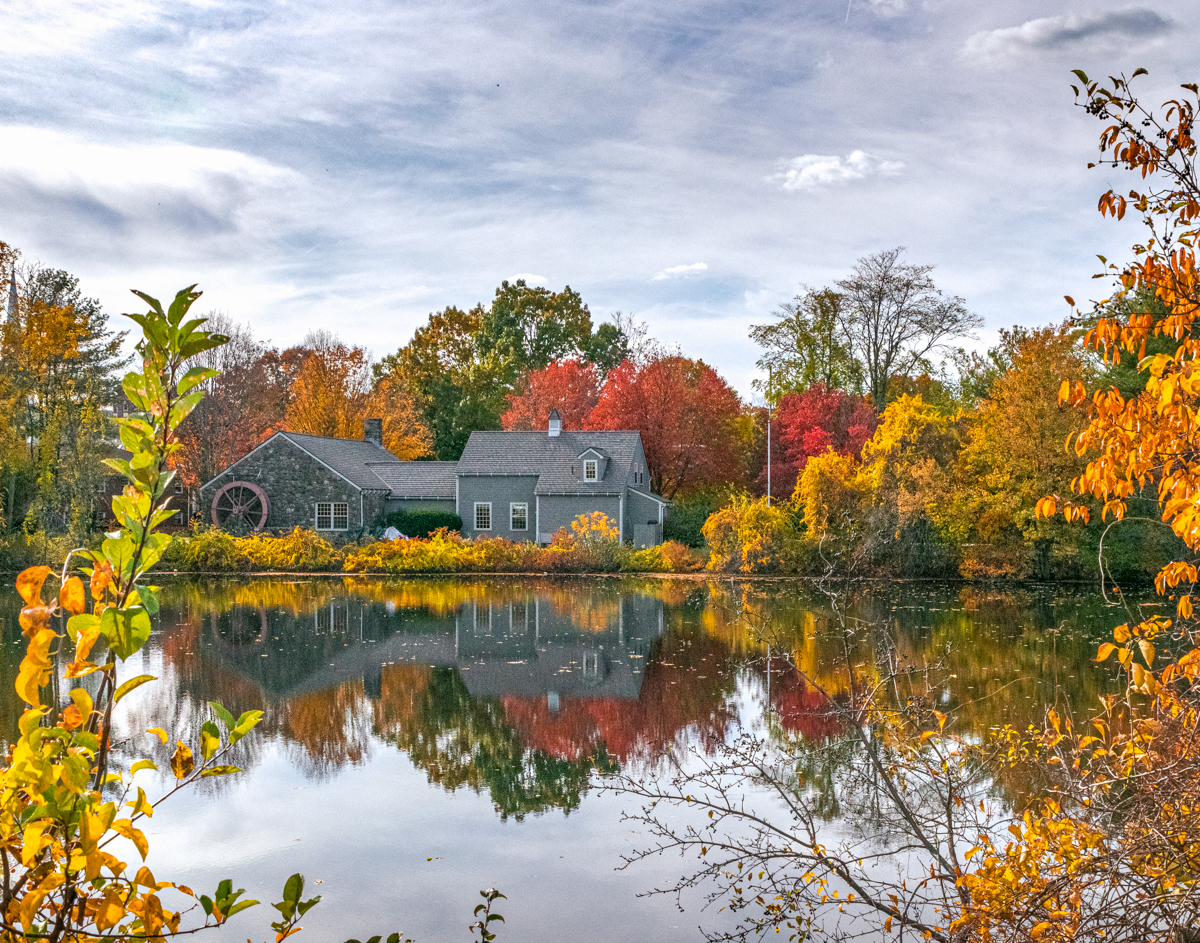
(354, 165)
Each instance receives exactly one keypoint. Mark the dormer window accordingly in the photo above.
(590, 470)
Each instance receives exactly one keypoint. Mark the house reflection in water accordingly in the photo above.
(524, 689)
(529, 648)
(504, 644)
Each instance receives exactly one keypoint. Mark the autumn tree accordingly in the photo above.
(243, 404)
(461, 366)
(456, 391)
(334, 392)
(59, 357)
(810, 423)
(527, 328)
(570, 386)
(1013, 453)
(687, 416)
(806, 344)
(894, 317)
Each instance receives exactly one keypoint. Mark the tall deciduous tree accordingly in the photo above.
(243, 404)
(456, 390)
(895, 316)
(570, 386)
(811, 423)
(333, 393)
(805, 344)
(526, 328)
(688, 418)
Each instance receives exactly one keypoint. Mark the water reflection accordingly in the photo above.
(527, 690)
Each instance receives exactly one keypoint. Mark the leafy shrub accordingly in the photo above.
(685, 519)
(748, 536)
(420, 523)
(215, 550)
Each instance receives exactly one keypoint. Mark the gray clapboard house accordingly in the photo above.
(519, 485)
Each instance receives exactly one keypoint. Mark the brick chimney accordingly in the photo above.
(373, 431)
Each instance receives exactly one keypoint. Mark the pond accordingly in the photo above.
(427, 738)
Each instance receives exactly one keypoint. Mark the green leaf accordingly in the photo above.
(293, 888)
(141, 765)
(223, 715)
(244, 725)
(77, 624)
(127, 630)
(240, 906)
(184, 298)
(130, 685)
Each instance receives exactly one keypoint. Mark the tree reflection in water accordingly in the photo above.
(529, 689)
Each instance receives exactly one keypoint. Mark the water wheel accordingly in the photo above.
(240, 506)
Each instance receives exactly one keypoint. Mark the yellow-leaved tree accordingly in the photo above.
(72, 844)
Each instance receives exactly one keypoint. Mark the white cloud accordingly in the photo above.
(52, 158)
(531, 279)
(810, 171)
(676, 270)
(888, 8)
(1101, 30)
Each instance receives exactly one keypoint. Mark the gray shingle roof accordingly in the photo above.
(433, 480)
(348, 457)
(551, 458)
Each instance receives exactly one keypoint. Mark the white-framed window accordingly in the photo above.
(333, 515)
(590, 469)
(518, 516)
(483, 515)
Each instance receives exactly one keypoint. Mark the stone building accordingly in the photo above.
(520, 485)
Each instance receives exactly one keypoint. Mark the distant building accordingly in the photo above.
(519, 485)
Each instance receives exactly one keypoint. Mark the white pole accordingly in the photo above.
(768, 437)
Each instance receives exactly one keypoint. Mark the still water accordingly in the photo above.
(426, 738)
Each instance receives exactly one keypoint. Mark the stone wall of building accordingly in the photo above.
(294, 482)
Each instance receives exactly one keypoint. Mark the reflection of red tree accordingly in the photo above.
(799, 707)
(684, 692)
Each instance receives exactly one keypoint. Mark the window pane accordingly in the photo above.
(324, 516)
(520, 516)
(589, 470)
(341, 516)
(483, 516)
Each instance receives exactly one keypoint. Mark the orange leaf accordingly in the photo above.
(29, 583)
(71, 597)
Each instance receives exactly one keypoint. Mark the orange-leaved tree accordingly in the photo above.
(1115, 853)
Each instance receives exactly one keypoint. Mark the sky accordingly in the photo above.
(356, 165)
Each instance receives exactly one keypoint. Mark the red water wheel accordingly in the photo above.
(240, 506)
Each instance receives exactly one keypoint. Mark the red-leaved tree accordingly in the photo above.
(809, 423)
(687, 416)
(570, 386)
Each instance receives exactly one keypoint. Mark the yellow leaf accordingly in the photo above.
(125, 827)
(1105, 650)
(83, 701)
(182, 762)
(158, 732)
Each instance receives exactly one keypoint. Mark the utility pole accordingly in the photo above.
(768, 444)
